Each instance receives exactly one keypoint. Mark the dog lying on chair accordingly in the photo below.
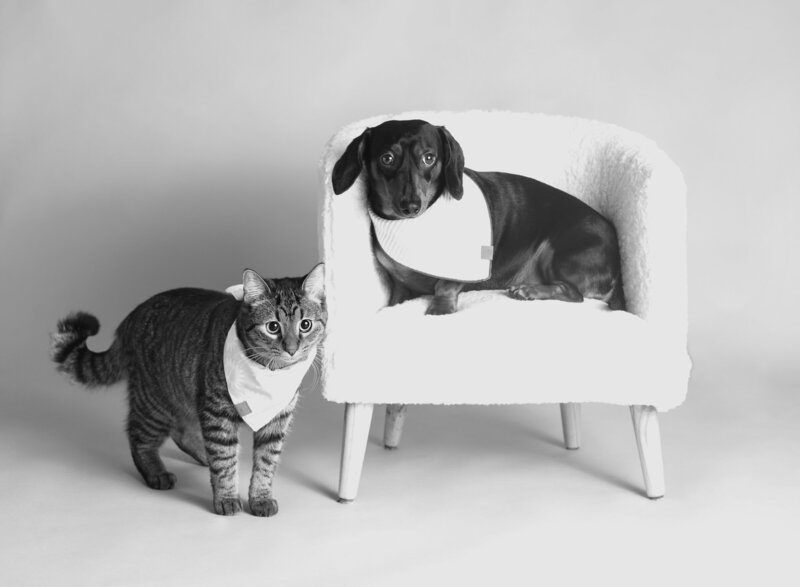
(545, 243)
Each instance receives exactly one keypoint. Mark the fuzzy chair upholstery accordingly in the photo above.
(496, 350)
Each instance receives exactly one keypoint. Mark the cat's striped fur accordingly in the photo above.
(170, 351)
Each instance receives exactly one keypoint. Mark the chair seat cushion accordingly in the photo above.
(506, 351)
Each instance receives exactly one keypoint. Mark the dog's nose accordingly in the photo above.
(409, 208)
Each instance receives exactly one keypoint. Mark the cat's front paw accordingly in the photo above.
(264, 507)
(227, 506)
(161, 481)
(441, 307)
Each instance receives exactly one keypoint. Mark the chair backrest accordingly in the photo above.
(622, 174)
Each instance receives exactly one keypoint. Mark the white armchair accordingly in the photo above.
(496, 350)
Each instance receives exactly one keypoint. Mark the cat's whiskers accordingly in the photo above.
(316, 373)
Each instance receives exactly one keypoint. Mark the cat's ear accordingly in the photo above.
(314, 284)
(256, 288)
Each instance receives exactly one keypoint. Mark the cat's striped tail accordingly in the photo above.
(68, 349)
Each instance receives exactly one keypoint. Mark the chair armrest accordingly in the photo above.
(356, 287)
(632, 182)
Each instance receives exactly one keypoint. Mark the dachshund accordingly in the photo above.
(547, 244)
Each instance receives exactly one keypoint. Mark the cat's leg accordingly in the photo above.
(149, 424)
(220, 426)
(267, 446)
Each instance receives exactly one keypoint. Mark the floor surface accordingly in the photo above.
(473, 496)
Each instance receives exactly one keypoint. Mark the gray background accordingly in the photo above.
(149, 145)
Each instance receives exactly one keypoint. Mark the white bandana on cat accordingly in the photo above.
(257, 393)
(452, 239)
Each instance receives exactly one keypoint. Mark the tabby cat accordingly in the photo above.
(172, 350)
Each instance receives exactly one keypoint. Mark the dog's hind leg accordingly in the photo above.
(536, 279)
(560, 290)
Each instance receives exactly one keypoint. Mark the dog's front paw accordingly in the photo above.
(440, 307)
(227, 506)
(263, 507)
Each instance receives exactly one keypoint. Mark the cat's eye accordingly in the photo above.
(387, 159)
(429, 159)
(273, 327)
(305, 325)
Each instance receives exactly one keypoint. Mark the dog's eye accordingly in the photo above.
(273, 327)
(387, 158)
(305, 325)
(429, 159)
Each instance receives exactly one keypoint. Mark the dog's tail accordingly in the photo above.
(616, 297)
(68, 350)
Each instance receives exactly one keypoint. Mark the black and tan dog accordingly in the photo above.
(547, 243)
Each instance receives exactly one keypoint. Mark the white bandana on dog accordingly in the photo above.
(257, 393)
(451, 240)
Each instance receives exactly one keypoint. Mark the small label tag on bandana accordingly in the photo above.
(487, 252)
(243, 409)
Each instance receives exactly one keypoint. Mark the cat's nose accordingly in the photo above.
(290, 347)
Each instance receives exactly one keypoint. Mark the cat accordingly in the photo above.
(173, 352)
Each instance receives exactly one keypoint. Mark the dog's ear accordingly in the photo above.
(349, 165)
(452, 164)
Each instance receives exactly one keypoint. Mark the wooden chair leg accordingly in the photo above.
(393, 428)
(571, 423)
(357, 420)
(648, 441)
